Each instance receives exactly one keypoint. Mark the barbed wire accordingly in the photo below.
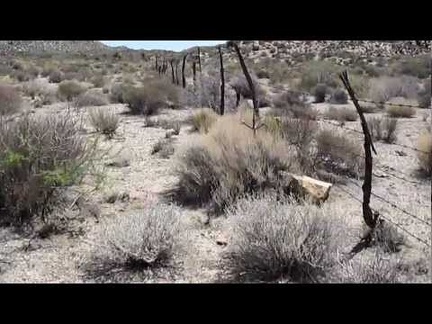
(394, 205)
(386, 218)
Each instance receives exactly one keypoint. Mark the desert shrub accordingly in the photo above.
(384, 88)
(228, 162)
(164, 147)
(69, 90)
(292, 104)
(263, 74)
(10, 100)
(375, 269)
(400, 111)
(41, 91)
(425, 152)
(137, 247)
(387, 238)
(360, 85)
(339, 96)
(118, 91)
(22, 76)
(320, 91)
(424, 95)
(368, 108)
(153, 96)
(240, 86)
(203, 119)
(419, 66)
(383, 129)
(38, 158)
(275, 240)
(56, 76)
(91, 99)
(337, 153)
(341, 114)
(98, 81)
(319, 72)
(104, 120)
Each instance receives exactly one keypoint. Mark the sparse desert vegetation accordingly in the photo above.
(152, 176)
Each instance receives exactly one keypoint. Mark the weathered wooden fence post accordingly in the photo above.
(222, 75)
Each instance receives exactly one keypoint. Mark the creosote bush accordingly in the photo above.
(320, 92)
(38, 158)
(89, 98)
(281, 241)
(10, 100)
(137, 247)
(56, 76)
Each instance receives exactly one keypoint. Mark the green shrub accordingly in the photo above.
(319, 72)
(400, 111)
(38, 158)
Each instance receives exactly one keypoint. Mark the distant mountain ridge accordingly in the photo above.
(42, 46)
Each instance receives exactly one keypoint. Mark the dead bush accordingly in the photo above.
(383, 129)
(68, 90)
(104, 120)
(425, 152)
(387, 238)
(228, 162)
(39, 157)
(10, 100)
(337, 153)
(136, 247)
(341, 114)
(281, 241)
(400, 111)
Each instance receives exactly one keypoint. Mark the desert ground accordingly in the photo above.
(147, 137)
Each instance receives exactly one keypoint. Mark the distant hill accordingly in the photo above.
(52, 47)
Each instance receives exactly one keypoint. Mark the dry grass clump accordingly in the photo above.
(203, 119)
(383, 129)
(229, 162)
(104, 120)
(91, 98)
(400, 111)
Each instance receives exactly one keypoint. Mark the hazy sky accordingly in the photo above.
(162, 45)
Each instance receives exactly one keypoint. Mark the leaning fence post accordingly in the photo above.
(369, 217)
